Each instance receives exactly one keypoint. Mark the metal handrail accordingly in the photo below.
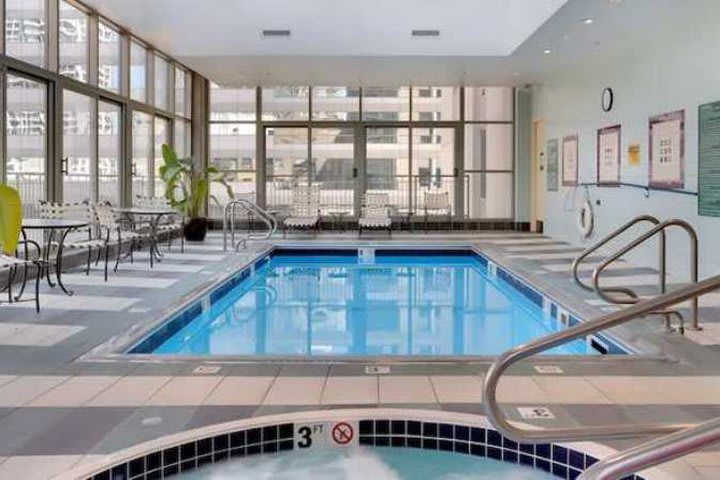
(612, 235)
(514, 355)
(229, 221)
(660, 228)
(655, 452)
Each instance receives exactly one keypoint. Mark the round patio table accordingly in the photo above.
(155, 215)
(51, 227)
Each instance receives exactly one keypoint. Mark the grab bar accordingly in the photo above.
(612, 235)
(514, 355)
(654, 452)
(660, 228)
(229, 217)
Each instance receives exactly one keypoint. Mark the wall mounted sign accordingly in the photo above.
(570, 161)
(634, 155)
(608, 155)
(709, 160)
(607, 99)
(667, 150)
(552, 165)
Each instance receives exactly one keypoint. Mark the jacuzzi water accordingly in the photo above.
(363, 464)
(320, 305)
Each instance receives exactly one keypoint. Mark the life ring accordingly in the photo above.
(585, 219)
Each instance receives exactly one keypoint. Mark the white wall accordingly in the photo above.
(681, 71)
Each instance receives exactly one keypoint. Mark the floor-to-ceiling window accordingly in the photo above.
(142, 148)
(26, 30)
(74, 42)
(109, 152)
(161, 136)
(138, 72)
(26, 129)
(109, 57)
(79, 169)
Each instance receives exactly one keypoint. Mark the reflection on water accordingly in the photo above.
(332, 305)
(361, 464)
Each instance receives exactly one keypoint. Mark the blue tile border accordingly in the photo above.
(166, 329)
(560, 461)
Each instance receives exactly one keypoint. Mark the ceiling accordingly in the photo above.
(368, 42)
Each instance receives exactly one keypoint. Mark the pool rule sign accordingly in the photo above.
(325, 434)
(709, 160)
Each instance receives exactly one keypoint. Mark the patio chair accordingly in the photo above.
(375, 213)
(437, 203)
(169, 225)
(10, 228)
(108, 221)
(305, 209)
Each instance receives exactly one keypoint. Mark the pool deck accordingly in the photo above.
(60, 408)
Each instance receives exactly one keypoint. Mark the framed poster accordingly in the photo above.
(570, 161)
(709, 160)
(667, 150)
(552, 165)
(608, 156)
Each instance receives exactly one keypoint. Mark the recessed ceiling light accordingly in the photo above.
(276, 33)
(547, 51)
(426, 33)
(588, 21)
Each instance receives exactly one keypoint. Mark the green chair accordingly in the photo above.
(10, 228)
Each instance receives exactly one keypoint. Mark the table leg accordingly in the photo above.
(48, 245)
(58, 263)
(22, 288)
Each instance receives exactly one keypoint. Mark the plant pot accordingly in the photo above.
(195, 229)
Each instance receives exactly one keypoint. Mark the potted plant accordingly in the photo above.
(186, 188)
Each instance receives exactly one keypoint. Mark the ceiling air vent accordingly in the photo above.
(275, 33)
(426, 33)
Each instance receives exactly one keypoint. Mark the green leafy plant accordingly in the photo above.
(186, 186)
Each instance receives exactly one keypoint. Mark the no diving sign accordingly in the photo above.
(325, 435)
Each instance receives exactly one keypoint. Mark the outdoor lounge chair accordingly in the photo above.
(10, 227)
(436, 204)
(116, 230)
(305, 209)
(375, 213)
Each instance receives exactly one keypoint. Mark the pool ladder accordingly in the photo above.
(627, 295)
(679, 439)
(229, 223)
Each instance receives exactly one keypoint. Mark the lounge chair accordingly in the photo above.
(305, 209)
(437, 204)
(375, 213)
(115, 229)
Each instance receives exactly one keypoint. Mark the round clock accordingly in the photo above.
(607, 99)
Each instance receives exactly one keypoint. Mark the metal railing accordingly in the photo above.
(655, 452)
(658, 229)
(611, 236)
(229, 223)
(582, 330)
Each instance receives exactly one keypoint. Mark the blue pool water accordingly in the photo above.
(360, 464)
(320, 305)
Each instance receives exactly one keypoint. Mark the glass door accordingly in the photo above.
(387, 166)
(332, 168)
(161, 136)
(142, 133)
(286, 165)
(79, 169)
(433, 169)
(109, 151)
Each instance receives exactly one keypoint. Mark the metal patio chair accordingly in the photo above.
(375, 213)
(305, 209)
(437, 204)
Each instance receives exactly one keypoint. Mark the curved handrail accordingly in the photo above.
(229, 216)
(612, 235)
(514, 355)
(660, 228)
(654, 452)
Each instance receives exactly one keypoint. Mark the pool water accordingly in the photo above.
(320, 305)
(361, 464)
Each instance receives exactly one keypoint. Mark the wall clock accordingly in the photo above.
(607, 99)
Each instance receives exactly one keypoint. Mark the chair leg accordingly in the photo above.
(107, 254)
(11, 276)
(182, 242)
(89, 259)
(37, 287)
(117, 258)
(132, 248)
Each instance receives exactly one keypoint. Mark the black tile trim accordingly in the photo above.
(558, 460)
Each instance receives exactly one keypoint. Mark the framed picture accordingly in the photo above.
(667, 150)
(552, 165)
(570, 161)
(608, 156)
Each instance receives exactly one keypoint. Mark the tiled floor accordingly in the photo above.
(58, 408)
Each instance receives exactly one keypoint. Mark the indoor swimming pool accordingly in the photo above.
(340, 303)
(360, 463)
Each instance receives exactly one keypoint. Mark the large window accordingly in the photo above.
(388, 165)
(108, 58)
(78, 168)
(138, 72)
(335, 103)
(26, 128)
(489, 104)
(74, 45)
(26, 30)
(286, 103)
(232, 104)
(286, 166)
(161, 136)
(109, 149)
(433, 164)
(332, 168)
(182, 93)
(433, 104)
(161, 82)
(142, 134)
(386, 104)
